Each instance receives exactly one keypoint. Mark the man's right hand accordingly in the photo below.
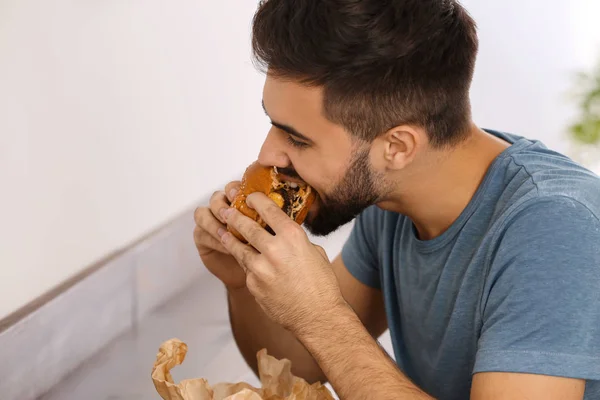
(208, 242)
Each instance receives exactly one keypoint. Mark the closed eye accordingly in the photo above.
(291, 135)
(296, 143)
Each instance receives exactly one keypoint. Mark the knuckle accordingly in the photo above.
(232, 185)
(235, 220)
(197, 232)
(255, 230)
(293, 231)
(235, 185)
(203, 217)
(267, 274)
(200, 236)
(246, 257)
(217, 199)
(270, 247)
(202, 241)
(199, 214)
(216, 194)
(251, 282)
(247, 228)
(272, 209)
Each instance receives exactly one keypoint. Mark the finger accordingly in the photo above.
(231, 189)
(245, 255)
(270, 212)
(205, 240)
(255, 234)
(218, 204)
(208, 226)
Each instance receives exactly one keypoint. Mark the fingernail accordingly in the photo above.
(221, 232)
(225, 238)
(222, 212)
(232, 193)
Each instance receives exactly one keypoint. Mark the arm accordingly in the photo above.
(253, 330)
(297, 287)
(540, 313)
(354, 363)
(506, 385)
(540, 318)
(358, 369)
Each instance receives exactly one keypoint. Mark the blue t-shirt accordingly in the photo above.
(513, 285)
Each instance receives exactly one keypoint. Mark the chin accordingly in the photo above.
(324, 219)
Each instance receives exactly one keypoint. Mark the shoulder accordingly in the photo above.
(534, 181)
(548, 245)
(540, 302)
(551, 222)
(551, 175)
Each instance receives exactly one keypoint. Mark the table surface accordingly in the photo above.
(197, 316)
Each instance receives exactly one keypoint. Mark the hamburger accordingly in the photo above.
(293, 198)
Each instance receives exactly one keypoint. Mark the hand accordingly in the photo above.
(209, 223)
(290, 278)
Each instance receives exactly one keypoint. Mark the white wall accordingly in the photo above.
(117, 115)
(530, 50)
(114, 117)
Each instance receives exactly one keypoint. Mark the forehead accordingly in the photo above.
(291, 103)
(285, 96)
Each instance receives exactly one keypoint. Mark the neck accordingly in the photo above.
(440, 185)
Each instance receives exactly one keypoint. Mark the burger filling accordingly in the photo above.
(290, 196)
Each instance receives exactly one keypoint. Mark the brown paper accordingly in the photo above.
(276, 379)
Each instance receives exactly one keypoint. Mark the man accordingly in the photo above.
(479, 250)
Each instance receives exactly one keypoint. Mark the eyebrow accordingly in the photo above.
(286, 128)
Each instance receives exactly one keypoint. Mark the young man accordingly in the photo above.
(479, 250)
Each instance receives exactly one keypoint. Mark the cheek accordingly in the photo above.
(322, 172)
(312, 172)
(320, 184)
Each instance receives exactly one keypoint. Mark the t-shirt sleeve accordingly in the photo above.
(360, 252)
(541, 314)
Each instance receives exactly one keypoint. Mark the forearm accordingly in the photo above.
(253, 331)
(356, 366)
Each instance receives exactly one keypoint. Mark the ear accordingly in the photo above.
(398, 146)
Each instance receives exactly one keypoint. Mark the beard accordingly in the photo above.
(358, 190)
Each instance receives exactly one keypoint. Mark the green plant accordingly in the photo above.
(587, 128)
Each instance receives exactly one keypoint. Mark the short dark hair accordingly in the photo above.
(381, 63)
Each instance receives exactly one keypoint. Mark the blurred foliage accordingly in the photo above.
(586, 130)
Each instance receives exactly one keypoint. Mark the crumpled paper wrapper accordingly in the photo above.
(276, 379)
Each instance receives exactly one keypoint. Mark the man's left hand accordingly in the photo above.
(290, 278)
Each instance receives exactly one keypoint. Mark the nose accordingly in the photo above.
(272, 152)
